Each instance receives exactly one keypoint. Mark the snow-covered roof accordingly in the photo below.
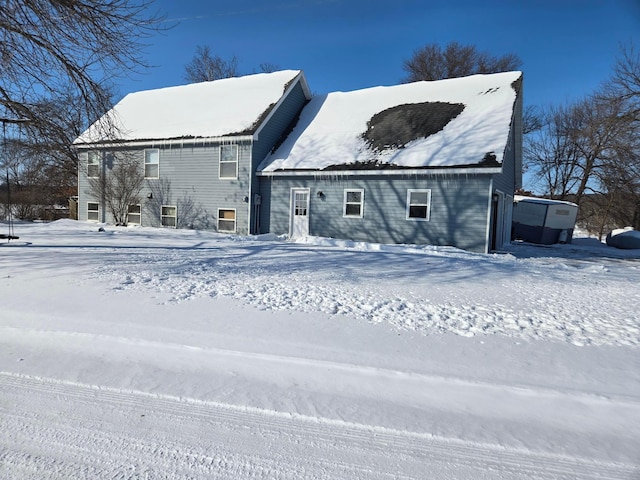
(230, 106)
(545, 201)
(445, 123)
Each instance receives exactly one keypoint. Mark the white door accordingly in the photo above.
(299, 213)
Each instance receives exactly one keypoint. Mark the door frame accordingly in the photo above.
(292, 206)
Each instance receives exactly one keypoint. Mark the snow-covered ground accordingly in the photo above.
(139, 353)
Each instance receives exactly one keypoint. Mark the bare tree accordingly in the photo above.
(433, 62)
(205, 67)
(268, 67)
(589, 152)
(550, 155)
(625, 81)
(50, 46)
(119, 184)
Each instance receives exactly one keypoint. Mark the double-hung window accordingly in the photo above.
(418, 204)
(134, 215)
(228, 161)
(152, 163)
(226, 220)
(93, 211)
(93, 164)
(168, 216)
(353, 203)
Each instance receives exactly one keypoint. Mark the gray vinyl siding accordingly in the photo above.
(188, 179)
(458, 213)
(278, 125)
(511, 177)
(84, 196)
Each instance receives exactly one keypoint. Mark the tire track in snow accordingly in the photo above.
(59, 428)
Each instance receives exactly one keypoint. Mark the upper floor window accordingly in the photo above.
(353, 203)
(228, 161)
(418, 204)
(152, 163)
(93, 164)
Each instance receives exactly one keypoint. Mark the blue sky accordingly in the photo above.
(567, 47)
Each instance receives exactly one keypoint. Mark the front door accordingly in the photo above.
(299, 213)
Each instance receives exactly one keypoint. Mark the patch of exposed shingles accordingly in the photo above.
(396, 126)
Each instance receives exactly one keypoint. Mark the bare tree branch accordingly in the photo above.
(432, 62)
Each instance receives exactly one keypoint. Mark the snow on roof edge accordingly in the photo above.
(312, 144)
(220, 108)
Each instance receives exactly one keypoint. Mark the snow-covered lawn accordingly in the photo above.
(151, 353)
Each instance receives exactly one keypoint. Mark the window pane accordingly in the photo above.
(418, 211)
(227, 225)
(228, 214)
(151, 171)
(152, 156)
(134, 209)
(354, 197)
(169, 211)
(228, 153)
(419, 198)
(168, 221)
(353, 209)
(228, 170)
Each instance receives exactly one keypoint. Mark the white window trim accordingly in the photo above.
(90, 154)
(345, 203)
(235, 161)
(146, 163)
(175, 217)
(98, 210)
(235, 220)
(428, 205)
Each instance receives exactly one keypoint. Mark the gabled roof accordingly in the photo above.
(227, 107)
(446, 123)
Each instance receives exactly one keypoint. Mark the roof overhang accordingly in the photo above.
(163, 142)
(383, 172)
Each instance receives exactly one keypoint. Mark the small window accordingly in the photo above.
(226, 220)
(93, 211)
(418, 204)
(228, 161)
(152, 163)
(134, 215)
(168, 216)
(93, 164)
(353, 203)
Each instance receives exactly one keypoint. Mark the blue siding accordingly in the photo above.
(278, 125)
(458, 214)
